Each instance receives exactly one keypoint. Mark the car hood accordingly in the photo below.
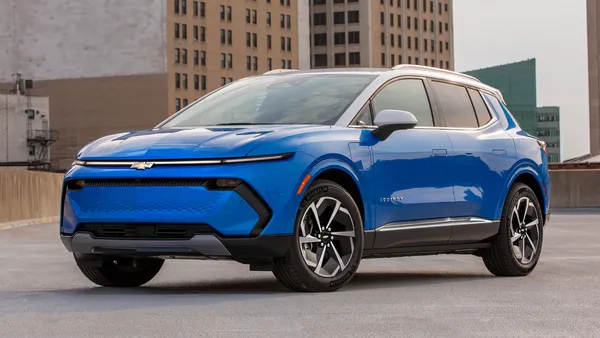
(188, 143)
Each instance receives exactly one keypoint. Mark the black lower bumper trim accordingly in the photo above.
(244, 250)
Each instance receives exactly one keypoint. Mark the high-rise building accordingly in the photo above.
(382, 33)
(517, 82)
(593, 21)
(211, 43)
(113, 66)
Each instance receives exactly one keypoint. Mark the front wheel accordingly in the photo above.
(122, 272)
(328, 241)
(516, 249)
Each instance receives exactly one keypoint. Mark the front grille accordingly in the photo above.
(147, 182)
(145, 231)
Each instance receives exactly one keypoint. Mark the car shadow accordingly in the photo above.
(268, 285)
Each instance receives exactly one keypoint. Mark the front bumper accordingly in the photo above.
(244, 250)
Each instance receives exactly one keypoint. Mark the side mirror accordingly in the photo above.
(389, 121)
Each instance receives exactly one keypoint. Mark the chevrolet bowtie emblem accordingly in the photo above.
(142, 165)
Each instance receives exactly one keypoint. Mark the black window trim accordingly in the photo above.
(438, 119)
(428, 91)
(443, 121)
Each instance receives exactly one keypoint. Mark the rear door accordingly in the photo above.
(482, 154)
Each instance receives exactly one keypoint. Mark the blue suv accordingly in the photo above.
(306, 173)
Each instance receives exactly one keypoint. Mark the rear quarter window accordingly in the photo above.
(455, 105)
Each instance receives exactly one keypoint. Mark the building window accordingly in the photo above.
(409, 58)
(222, 12)
(247, 15)
(447, 26)
(392, 60)
(176, 6)
(184, 7)
(319, 19)
(399, 20)
(409, 43)
(425, 25)
(416, 43)
(248, 39)
(282, 21)
(196, 82)
(254, 40)
(382, 18)
(177, 55)
(446, 7)
(425, 44)
(254, 17)
(447, 45)
(223, 81)
(177, 81)
(288, 21)
(320, 60)
(383, 39)
(339, 18)
(391, 20)
(432, 26)
(416, 23)
(184, 81)
(354, 37)
(223, 60)
(269, 64)
(202, 33)
(229, 13)
(195, 8)
(196, 58)
(320, 39)
(230, 61)
(399, 41)
(339, 59)
(283, 64)
(439, 7)
(255, 63)
(441, 50)
(203, 82)
(354, 58)
(408, 22)
(383, 58)
(392, 40)
(282, 44)
(229, 37)
(202, 9)
(339, 38)
(440, 26)
(177, 32)
(184, 56)
(269, 41)
(203, 58)
(447, 65)
(177, 104)
(268, 18)
(289, 44)
(184, 31)
(248, 62)
(223, 36)
(195, 32)
(353, 17)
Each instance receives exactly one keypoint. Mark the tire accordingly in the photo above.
(501, 259)
(123, 274)
(293, 270)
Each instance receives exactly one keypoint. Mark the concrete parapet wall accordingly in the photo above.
(26, 195)
(575, 188)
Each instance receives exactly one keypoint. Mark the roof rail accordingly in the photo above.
(277, 71)
(402, 66)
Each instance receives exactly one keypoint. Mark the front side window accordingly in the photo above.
(409, 95)
(290, 99)
(456, 105)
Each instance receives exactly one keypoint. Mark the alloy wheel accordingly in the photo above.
(525, 232)
(327, 236)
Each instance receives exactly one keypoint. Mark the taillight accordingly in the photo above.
(543, 146)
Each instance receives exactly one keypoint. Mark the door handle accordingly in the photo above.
(499, 152)
(440, 152)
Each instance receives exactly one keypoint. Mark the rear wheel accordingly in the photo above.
(328, 241)
(122, 272)
(516, 249)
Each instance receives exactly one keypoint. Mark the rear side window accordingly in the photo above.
(409, 95)
(481, 110)
(456, 105)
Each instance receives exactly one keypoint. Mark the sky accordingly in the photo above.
(554, 32)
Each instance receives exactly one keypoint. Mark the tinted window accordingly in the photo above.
(456, 105)
(408, 95)
(364, 116)
(483, 115)
(290, 99)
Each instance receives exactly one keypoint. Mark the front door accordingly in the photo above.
(414, 193)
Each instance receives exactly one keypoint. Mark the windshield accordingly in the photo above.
(289, 99)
